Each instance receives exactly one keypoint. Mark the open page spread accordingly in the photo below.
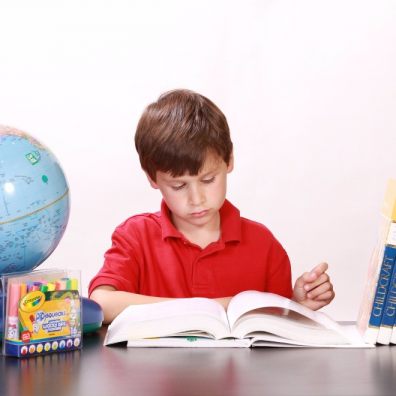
(253, 319)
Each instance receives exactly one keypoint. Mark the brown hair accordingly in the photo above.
(175, 134)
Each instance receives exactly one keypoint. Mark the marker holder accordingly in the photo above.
(42, 312)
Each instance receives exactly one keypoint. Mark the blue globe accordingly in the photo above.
(34, 202)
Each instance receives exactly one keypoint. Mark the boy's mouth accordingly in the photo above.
(201, 213)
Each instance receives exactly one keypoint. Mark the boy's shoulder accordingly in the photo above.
(142, 225)
(146, 219)
(254, 224)
(255, 227)
(258, 233)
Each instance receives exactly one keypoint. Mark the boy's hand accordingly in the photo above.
(314, 289)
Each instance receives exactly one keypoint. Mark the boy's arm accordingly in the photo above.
(314, 289)
(114, 301)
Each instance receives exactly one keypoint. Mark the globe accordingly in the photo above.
(34, 202)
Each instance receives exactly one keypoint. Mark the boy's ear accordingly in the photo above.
(230, 165)
(152, 182)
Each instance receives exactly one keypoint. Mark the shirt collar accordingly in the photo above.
(230, 221)
(168, 229)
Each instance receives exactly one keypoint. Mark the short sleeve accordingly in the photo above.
(279, 273)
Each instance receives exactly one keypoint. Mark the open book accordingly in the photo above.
(252, 319)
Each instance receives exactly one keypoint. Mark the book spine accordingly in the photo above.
(392, 240)
(389, 315)
(381, 292)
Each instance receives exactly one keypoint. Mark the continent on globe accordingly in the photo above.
(34, 201)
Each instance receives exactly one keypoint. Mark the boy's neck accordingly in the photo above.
(200, 235)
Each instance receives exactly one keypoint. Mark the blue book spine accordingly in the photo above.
(389, 314)
(384, 281)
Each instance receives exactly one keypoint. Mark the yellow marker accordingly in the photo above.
(74, 284)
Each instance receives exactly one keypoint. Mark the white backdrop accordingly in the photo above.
(308, 88)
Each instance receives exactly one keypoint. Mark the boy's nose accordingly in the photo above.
(196, 196)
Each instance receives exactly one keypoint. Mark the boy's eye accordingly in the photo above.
(207, 181)
(177, 188)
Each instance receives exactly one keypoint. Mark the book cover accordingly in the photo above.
(382, 304)
(388, 215)
(389, 311)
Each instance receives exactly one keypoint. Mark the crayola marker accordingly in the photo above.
(36, 286)
(44, 288)
(68, 284)
(60, 285)
(23, 290)
(33, 286)
(14, 293)
(73, 284)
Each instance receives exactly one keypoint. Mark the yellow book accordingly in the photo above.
(389, 205)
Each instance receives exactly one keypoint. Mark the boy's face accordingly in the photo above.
(194, 201)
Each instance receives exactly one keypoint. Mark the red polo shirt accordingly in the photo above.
(150, 256)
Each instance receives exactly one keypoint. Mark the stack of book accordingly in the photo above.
(376, 319)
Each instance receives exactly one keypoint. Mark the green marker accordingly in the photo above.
(44, 178)
(44, 288)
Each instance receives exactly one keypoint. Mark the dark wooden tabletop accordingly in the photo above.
(98, 370)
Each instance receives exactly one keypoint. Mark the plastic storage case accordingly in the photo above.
(42, 312)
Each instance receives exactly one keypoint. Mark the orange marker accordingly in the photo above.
(23, 290)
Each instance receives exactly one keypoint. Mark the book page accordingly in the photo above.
(271, 340)
(288, 325)
(169, 318)
(247, 301)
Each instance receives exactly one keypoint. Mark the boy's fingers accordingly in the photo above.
(306, 277)
(313, 280)
(312, 276)
(320, 268)
(328, 296)
(319, 281)
(317, 291)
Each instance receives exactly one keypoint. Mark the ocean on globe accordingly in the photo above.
(34, 202)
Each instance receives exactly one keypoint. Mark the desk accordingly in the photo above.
(120, 371)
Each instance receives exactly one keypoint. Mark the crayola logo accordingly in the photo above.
(32, 301)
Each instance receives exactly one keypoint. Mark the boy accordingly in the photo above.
(198, 245)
